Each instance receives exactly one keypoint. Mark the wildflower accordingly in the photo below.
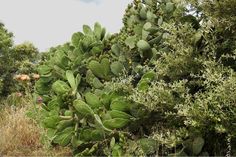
(36, 76)
(17, 77)
(24, 77)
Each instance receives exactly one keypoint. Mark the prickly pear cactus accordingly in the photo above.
(80, 110)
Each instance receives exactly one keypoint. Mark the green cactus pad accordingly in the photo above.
(116, 123)
(83, 108)
(97, 69)
(60, 87)
(92, 100)
(119, 114)
(143, 45)
(117, 68)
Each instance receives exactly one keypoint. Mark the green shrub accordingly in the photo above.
(14, 59)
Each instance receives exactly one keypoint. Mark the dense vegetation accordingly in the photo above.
(14, 60)
(165, 84)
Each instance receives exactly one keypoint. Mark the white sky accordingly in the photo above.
(47, 23)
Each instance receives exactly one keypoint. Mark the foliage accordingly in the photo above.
(163, 85)
(14, 59)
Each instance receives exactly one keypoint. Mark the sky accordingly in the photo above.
(47, 23)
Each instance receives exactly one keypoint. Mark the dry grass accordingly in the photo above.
(20, 136)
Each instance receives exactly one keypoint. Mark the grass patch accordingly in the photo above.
(20, 135)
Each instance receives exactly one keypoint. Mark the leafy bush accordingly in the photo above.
(163, 85)
(14, 59)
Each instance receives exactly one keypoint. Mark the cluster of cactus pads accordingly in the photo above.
(79, 110)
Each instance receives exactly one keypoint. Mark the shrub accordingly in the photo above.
(14, 59)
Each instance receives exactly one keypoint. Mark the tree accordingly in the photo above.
(14, 59)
